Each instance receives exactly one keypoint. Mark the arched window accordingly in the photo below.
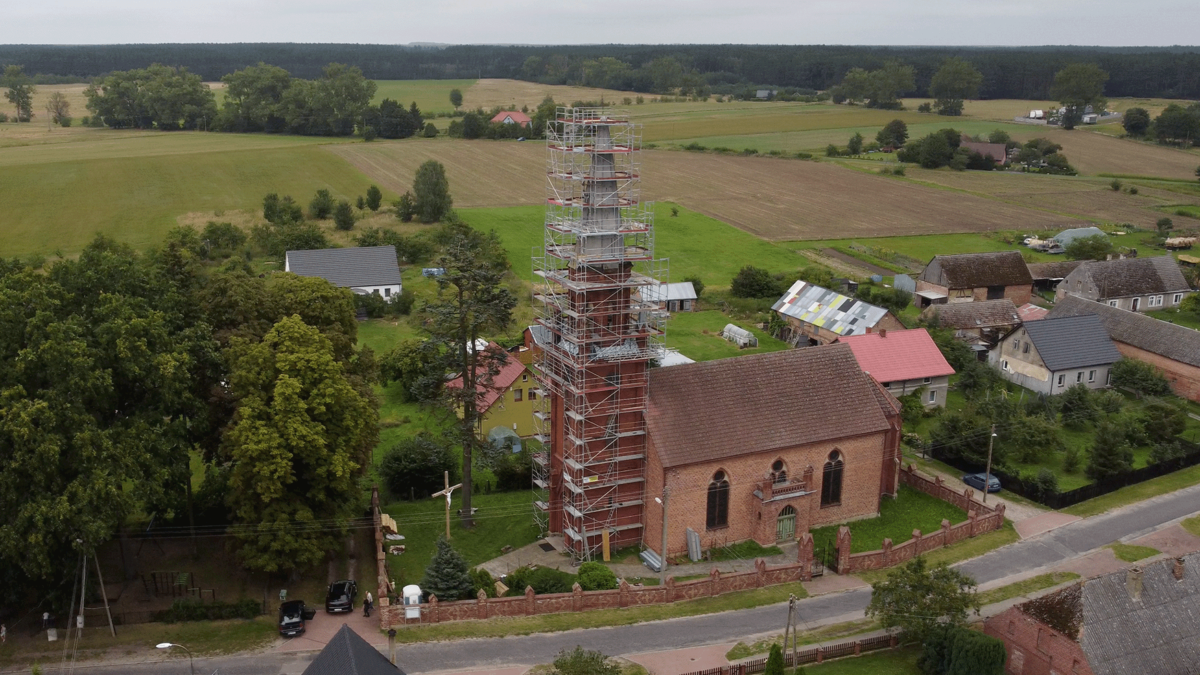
(831, 483)
(778, 472)
(718, 501)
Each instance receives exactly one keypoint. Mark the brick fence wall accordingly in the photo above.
(807, 655)
(981, 518)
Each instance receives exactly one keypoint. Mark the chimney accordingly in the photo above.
(1133, 583)
(882, 332)
(1178, 571)
(869, 330)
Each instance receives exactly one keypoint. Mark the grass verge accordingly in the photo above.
(1192, 525)
(1136, 493)
(1030, 585)
(831, 632)
(892, 662)
(911, 510)
(1131, 552)
(551, 623)
(964, 550)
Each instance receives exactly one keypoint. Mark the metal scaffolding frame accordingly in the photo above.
(595, 336)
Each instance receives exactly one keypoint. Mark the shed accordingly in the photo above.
(680, 296)
(739, 336)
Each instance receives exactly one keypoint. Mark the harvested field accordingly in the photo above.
(815, 140)
(774, 199)
(489, 93)
(793, 118)
(1095, 153)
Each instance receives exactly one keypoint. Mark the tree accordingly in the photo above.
(59, 109)
(254, 99)
(1077, 406)
(697, 284)
(374, 198)
(1136, 121)
(416, 366)
(1000, 136)
(321, 205)
(1178, 125)
(894, 134)
(20, 91)
(472, 301)
(456, 98)
(594, 576)
(579, 661)
(431, 192)
(954, 82)
(1163, 420)
(775, 663)
(1094, 247)
(855, 144)
(1164, 226)
(281, 211)
(955, 650)
(755, 282)
(299, 441)
(448, 576)
(417, 465)
(1078, 86)
(917, 598)
(343, 216)
(1141, 376)
(1111, 454)
(158, 97)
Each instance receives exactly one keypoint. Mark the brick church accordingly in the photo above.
(765, 447)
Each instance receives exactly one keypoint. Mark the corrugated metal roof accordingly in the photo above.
(348, 267)
(1072, 342)
(682, 290)
(830, 310)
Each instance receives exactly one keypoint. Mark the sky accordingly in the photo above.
(858, 22)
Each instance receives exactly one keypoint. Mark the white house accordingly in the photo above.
(364, 269)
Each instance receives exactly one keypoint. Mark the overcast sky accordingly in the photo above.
(877, 22)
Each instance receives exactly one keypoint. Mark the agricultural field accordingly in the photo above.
(431, 96)
(701, 120)
(489, 93)
(815, 141)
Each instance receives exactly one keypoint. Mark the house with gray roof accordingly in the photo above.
(671, 298)
(817, 316)
(1136, 284)
(1173, 349)
(1141, 620)
(363, 269)
(1053, 355)
(348, 654)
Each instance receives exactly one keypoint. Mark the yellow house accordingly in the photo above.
(510, 402)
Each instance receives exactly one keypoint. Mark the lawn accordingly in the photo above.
(1131, 552)
(815, 141)
(502, 519)
(888, 662)
(1137, 493)
(924, 247)
(697, 335)
(911, 510)
(1185, 319)
(694, 244)
(1031, 585)
(62, 205)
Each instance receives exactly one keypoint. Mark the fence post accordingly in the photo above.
(530, 601)
(576, 597)
(714, 579)
(820, 655)
(804, 556)
(843, 550)
(760, 572)
(945, 532)
(670, 589)
(623, 594)
(433, 609)
(973, 519)
(481, 607)
(858, 648)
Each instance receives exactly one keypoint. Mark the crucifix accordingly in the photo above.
(449, 489)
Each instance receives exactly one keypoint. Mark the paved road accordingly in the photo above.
(1053, 547)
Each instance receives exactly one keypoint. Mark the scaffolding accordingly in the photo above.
(595, 335)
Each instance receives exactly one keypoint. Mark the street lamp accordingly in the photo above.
(168, 645)
(662, 565)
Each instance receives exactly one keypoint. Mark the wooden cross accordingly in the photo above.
(449, 489)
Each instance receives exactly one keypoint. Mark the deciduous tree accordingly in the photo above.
(417, 465)
(59, 109)
(916, 598)
(1094, 247)
(431, 192)
(20, 91)
(894, 134)
(956, 81)
(1136, 121)
(374, 198)
(1078, 86)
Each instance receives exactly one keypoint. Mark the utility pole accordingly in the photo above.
(447, 492)
(662, 566)
(103, 593)
(791, 627)
(987, 476)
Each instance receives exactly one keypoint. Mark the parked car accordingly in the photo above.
(340, 597)
(293, 616)
(975, 480)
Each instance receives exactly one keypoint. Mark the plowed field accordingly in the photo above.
(774, 199)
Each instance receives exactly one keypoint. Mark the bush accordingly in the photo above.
(697, 285)
(374, 198)
(1108, 401)
(1071, 459)
(483, 581)
(343, 216)
(1163, 421)
(831, 150)
(925, 107)
(1167, 451)
(898, 171)
(1140, 377)
(755, 282)
(283, 211)
(514, 471)
(194, 610)
(580, 661)
(448, 577)
(430, 131)
(406, 207)
(369, 134)
(1095, 247)
(360, 203)
(594, 576)
(4, 119)
(222, 239)
(1115, 185)
(417, 465)
(1077, 406)
(321, 206)
(1045, 483)
(955, 650)
(542, 579)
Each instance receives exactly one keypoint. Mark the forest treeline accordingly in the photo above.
(1016, 72)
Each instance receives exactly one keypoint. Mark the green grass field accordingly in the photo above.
(431, 96)
(1131, 552)
(697, 335)
(911, 510)
(891, 662)
(816, 140)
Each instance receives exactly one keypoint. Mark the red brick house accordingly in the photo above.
(1173, 349)
(765, 447)
(1139, 621)
(972, 277)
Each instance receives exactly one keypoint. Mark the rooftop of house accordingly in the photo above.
(1072, 342)
(510, 370)
(713, 410)
(977, 270)
(898, 355)
(966, 315)
(828, 309)
(997, 151)
(1031, 312)
(1134, 328)
(1127, 623)
(348, 267)
(347, 653)
(682, 290)
(1050, 271)
(516, 116)
(1135, 276)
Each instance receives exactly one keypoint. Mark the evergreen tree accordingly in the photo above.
(775, 661)
(448, 576)
(343, 215)
(374, 198)
(321, 205)
(1111, 454)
